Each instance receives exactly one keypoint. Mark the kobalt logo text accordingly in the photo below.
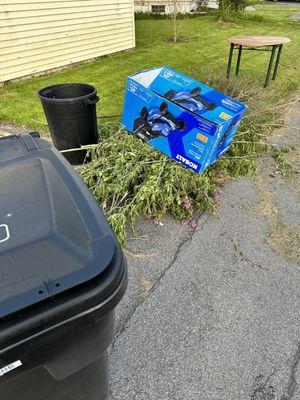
(168, 74)
(185, 161)
(132, 88)
(229, 103)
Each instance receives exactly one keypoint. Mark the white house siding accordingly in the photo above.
(181, 5)
(184, 6)
(40, 35)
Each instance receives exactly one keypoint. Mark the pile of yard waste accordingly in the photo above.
(129, 179)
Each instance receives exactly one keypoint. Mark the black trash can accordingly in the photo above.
(70, 110)
(62, 275)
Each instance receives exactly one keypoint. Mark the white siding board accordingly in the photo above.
(36, 5)
(25, 47)
(39, 2)
(62, 13)
(36, 51)
(64, 23)
(39, 35)
(42, 37)
(28, 57)
(69, 54)
(60, 17)
(49, 64)
(44, 29)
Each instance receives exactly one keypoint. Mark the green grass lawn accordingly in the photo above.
(276, 12)
(201, 53)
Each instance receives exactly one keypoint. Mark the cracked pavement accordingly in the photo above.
(214, 313)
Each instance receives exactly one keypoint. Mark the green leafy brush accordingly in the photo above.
(129, 179)
(284, 166)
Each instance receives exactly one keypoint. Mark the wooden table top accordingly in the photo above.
(258, 41)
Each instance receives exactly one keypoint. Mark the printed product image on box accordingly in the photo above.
(181, 117)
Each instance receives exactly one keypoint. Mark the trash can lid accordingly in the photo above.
(52, 237)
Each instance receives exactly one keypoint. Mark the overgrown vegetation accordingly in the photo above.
(283, 165)
(229, 7)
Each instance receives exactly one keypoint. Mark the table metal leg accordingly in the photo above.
(238, 60)
(277, 62)
(230, 59)
(270, 66)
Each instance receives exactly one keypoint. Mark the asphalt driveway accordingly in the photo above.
(214, 313)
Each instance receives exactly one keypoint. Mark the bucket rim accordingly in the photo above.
(67, 100)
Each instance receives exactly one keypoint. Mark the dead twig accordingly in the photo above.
(86, 147)
(139, 256)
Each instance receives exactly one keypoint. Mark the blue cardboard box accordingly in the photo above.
(181, 117)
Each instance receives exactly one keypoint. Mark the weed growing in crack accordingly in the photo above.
(283, 165)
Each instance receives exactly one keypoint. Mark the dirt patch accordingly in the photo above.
(293, 157)
(8, 128)
(146, 285)
(296, 17)
(182, 39)
(283, 238)
(11, 129)
(262, 390)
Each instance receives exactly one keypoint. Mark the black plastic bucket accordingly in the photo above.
(70, 109)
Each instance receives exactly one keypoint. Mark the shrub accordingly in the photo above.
(229, 7)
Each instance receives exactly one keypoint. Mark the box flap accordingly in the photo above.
(190, 94)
